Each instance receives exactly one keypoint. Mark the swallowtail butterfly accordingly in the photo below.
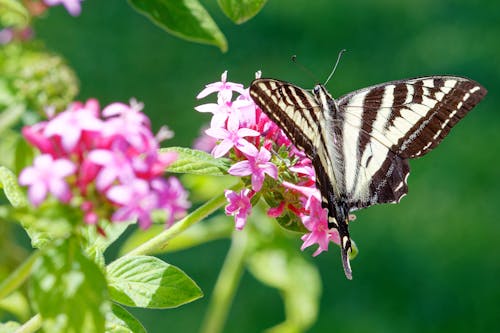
(360, 144)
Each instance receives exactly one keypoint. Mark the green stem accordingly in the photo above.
(160, 242)
(32, 325)
(18, 277)
(225, 287)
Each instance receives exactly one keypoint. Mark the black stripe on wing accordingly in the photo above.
(293, 109)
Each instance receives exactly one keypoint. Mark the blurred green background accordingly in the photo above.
(429, 264)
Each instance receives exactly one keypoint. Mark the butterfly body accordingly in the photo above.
(360, 144)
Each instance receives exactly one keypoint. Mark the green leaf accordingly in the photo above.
(120, 320)
(196, 162)
(148, 282)
(48, 222)
(12, 190)
(97, 243)
(240, 11)
(69, 290)
(298, 281)
(186, 19)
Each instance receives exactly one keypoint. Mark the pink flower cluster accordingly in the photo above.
(241, 131)
(106, 163)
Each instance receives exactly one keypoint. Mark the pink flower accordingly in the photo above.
(231, 137)
(239, 206)
(276, 211)
(72, 6)
(204, 142)
(34, 134)
(223, 88)
(317, 223)
(136, 201)
(47, 176)
(69, 126)
(130, 124)
(173, 197)
(115, 165)
(257, 166)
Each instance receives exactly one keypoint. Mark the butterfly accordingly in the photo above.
(360, 144)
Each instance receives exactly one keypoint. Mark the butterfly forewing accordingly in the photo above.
(359, 146)
(292, 105)
(411, 116)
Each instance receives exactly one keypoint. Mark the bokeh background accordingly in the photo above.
(429, 264)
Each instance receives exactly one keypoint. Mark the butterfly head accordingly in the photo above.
(323, 97)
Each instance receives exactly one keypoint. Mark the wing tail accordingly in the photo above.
(345, 244)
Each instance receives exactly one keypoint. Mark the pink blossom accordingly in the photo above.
(204, 142)
(173, 198)
(47, 175)
(239, 206)
(136, 201)
(223, 88)
(69, 126)
(276, 211)
(307, 191)
(35, 135)
(72, 6)
(317, 223)
(115, 165)
(231, 137)
(223, 111)
(256, 166)
(130, 124)
(6, 36)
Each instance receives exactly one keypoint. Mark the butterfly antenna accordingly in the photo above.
(335, 67)
(304, 68)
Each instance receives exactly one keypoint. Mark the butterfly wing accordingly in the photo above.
(386, 124)
(308, 125)
(290, 107)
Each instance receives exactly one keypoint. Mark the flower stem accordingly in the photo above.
(18, 277)
(32, 325)
(160, 242)
(225, 287)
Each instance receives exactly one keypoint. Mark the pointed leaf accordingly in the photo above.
(148, 282)
(196, 162)
(240, 11)
(186, 19)
(69, 290)
(13, 192)
(120, 320)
